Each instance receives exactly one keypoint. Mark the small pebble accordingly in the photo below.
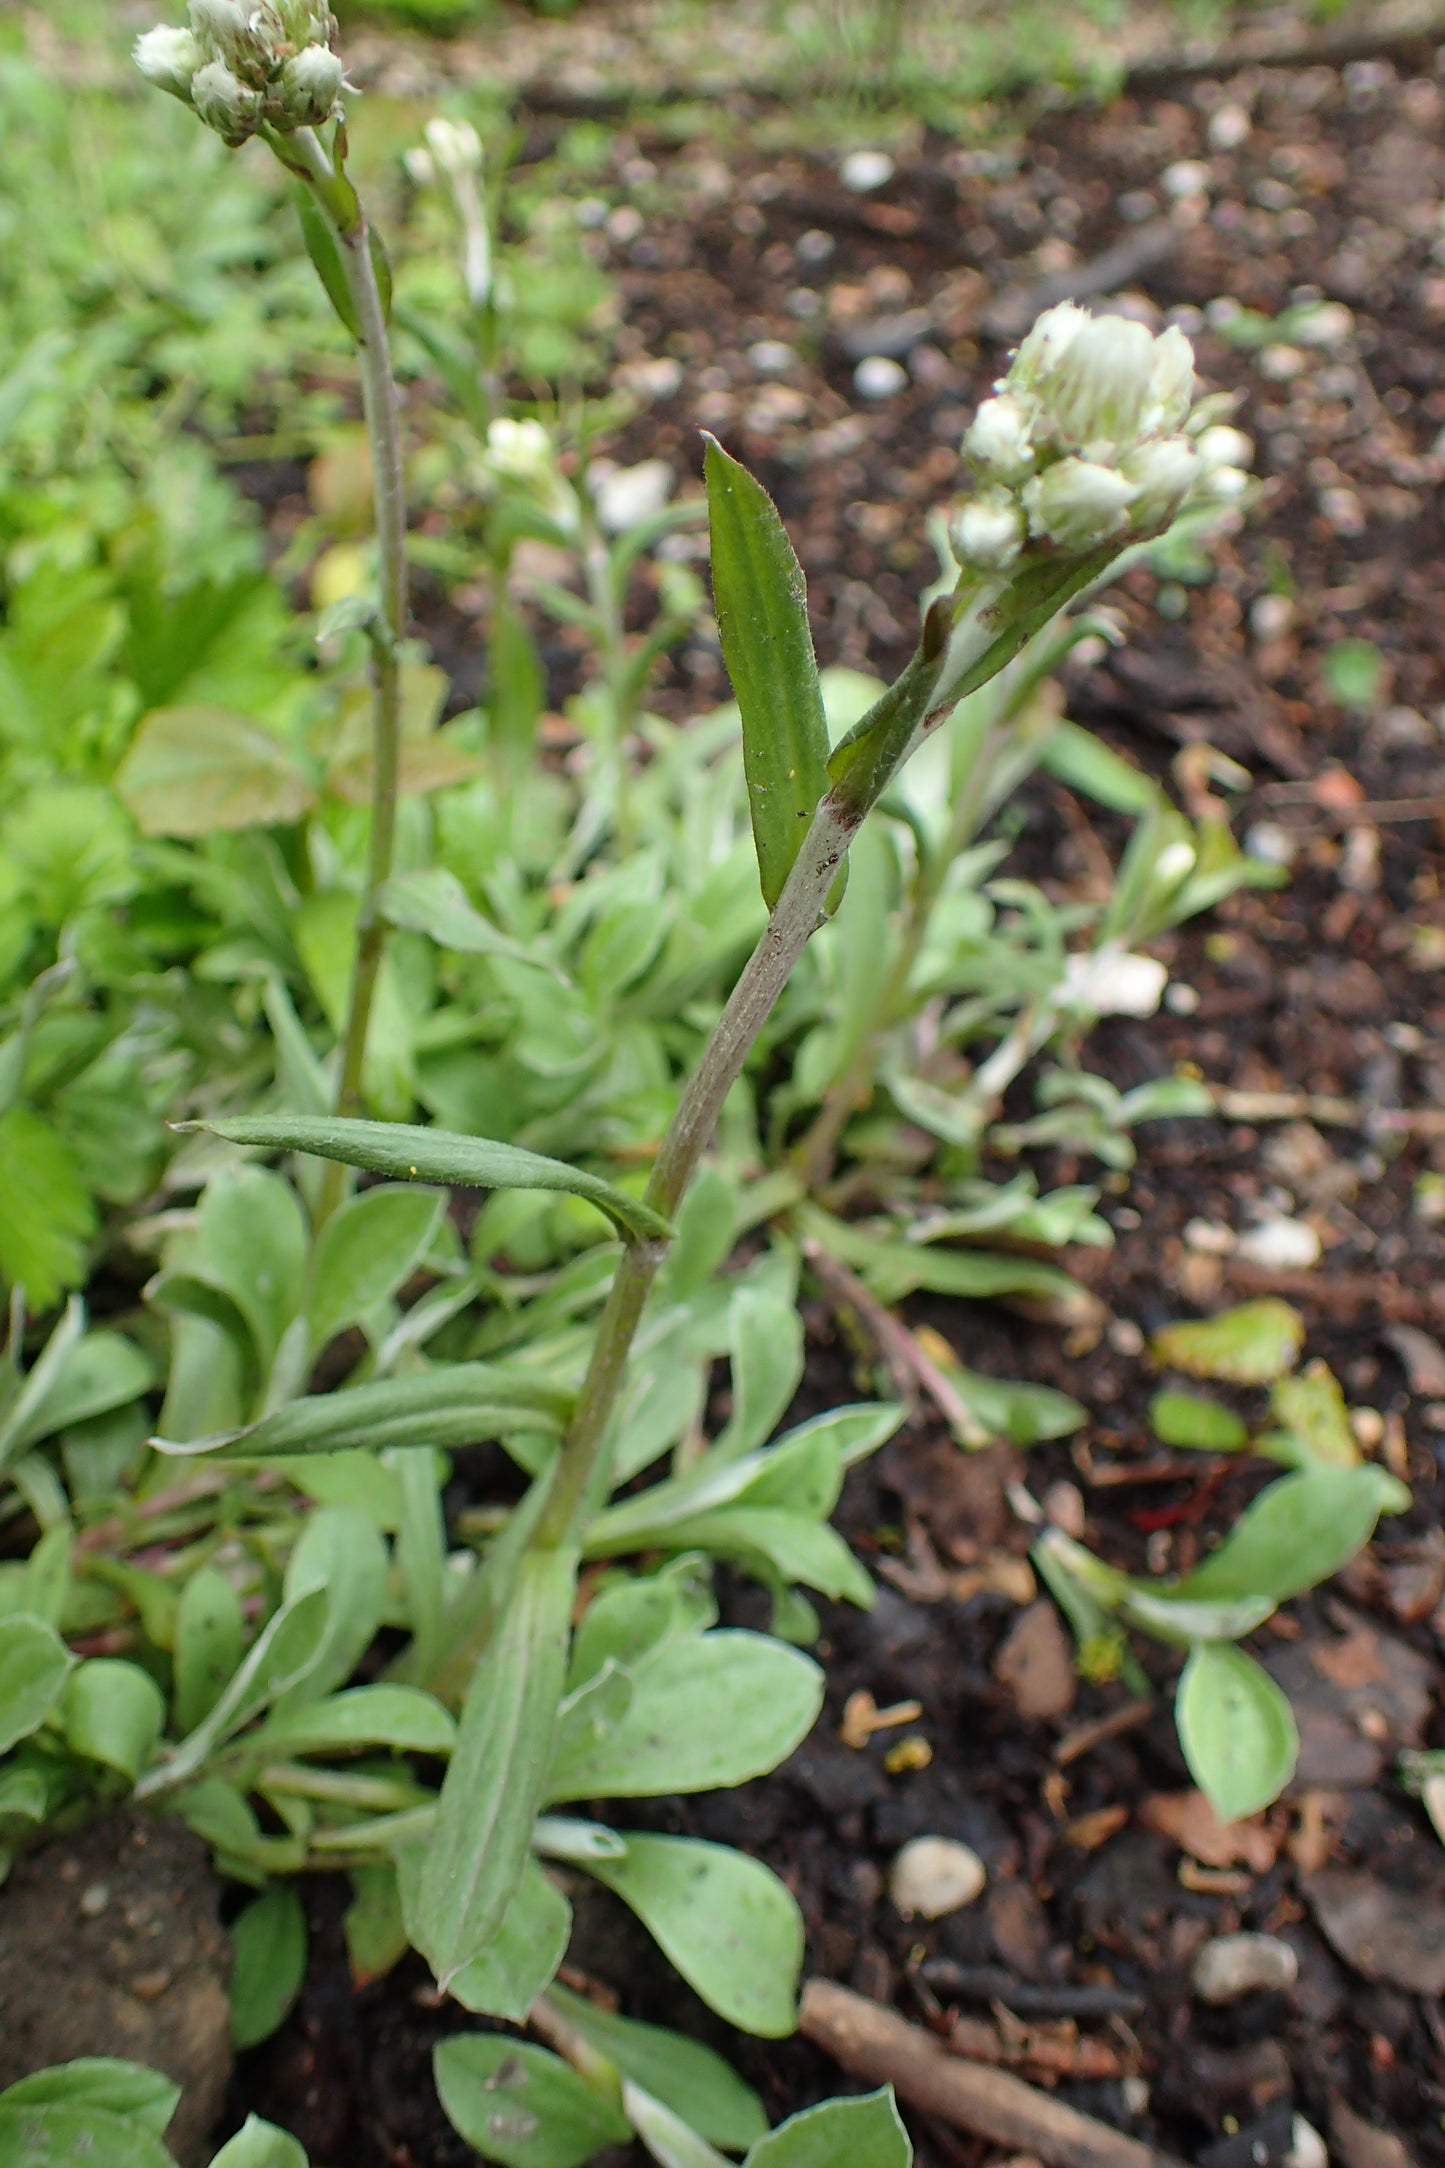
(771, 357)
(1266, 840)
(1229, 126)
(1329, 323)
(1125, 1337)
(877, 377)
(1234, 1965)
(1064, 1505)
(1271, 616)
(1280, 1245)
(1187, 177)
(863, 171)
(1209, 1237)
(1181, 999)
(94, 1901)
(815, 246)
(933, 1876)
(1307, 2149)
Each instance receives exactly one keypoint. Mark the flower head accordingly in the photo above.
(249, 64)
(169, 59)
(455, 147)
(1077, 504)
(225, 103)
(1092, 437)
(988, 532)
(999, 438)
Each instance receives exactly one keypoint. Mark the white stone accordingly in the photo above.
(1187, 177)
(1234, 1965)
(877, 377)
(935, 1875)
(1111, 982)
(1280, 1245)
(863, 171)
(771, 357)
(1229, 126)
(1307, 2149)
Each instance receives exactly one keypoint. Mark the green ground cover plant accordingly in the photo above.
(309, 911)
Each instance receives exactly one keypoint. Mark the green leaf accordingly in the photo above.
(709, 1711)
(1076, 757)
(340, 1552)
(34, 1666)
(375, 1929)
(407, 1153)
(283, 1652)
(364, 1253)
(1299, 1531)
(522, 2106)
(268, 1940)
(98, 2081)
(1312, 1409)
(731, 1928)
(498, 1769)
(325, 251)
(434, 902)
(1236, 1728)
(51, 2135)
(402, 1717)
(765, 1346)
(672, 2141)
(47, 1214)
(114, 1713)
(210, 1638)
(1014, 1409)
(762, 613)
(261, 2145)
(459, 1404)
(1189, 1420)
(96, 1374)
(200, 771)
(249, 1250)
(683, 2074)
(521, 1960)
(864, 2133)
(1249, 1345)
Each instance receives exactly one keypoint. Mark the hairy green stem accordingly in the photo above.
(796, 916)
(306, 156)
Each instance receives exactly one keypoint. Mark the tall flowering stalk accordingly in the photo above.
(268, 68)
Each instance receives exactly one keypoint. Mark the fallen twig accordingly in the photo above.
(1343, 1294)
(873, 2043)
(912, 1369)
(1085, 1737)
(1029, 1998)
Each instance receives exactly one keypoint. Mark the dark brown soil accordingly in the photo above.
(1314, 184)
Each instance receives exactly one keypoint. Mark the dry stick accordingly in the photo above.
(897, 1345)
(876, 2044)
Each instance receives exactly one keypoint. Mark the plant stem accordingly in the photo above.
(796, 917)
(306, 156)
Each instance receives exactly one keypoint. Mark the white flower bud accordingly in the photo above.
(1097, 393)
(1222, 446)
(455, 147)
(520, 450)
(988, 532)
(169, 58)
(1221, 485)
(1077, 504)
(1045, 346)
(1171, 382)
(222, 26)
(1163, 472)
(225, 103)
(311, 84)
(421, 168)
(999, 438)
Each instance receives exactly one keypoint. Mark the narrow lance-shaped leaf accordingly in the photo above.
(408, 1152)
(494, 1785)
(463, 1404)
(762, 614)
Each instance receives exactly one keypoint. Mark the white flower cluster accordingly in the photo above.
(1092, 436)
(521, 456)
(246, 64)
